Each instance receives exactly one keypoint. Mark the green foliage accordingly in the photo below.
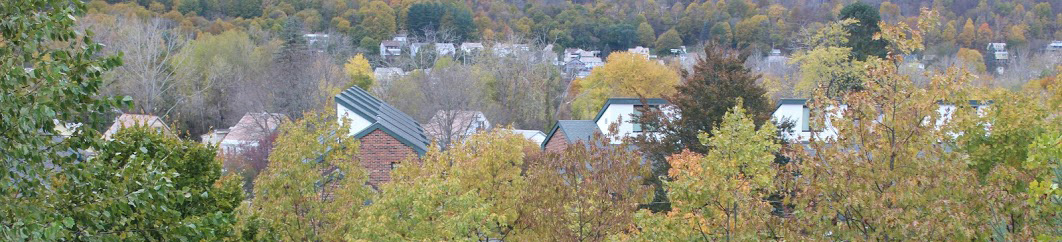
(719, 196)
(146, 185)
(861, 34)
(667, 41)
(377, 21)
(646, 35)
(51, 72)
(440, 17)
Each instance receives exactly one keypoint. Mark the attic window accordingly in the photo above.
(637, 116)
(805, 120)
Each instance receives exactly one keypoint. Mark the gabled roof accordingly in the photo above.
(384, 117)
(254, 126)
(628, 100)
(790, 101)
(130, 120)
(574, 130)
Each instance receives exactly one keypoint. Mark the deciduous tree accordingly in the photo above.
(623, 75)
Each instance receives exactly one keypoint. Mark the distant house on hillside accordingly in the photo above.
(535, 136)
(569, 132)
(462, 125)
(445, 49)
(388, 136)
(471, 47)
(252, 128)
(131, 120)
(641, 51)
(389, 48)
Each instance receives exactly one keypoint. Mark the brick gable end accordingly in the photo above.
(378, 151)
(557, 143)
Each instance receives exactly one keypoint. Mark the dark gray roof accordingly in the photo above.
(627, 100)
(383, 116)
(574, 130)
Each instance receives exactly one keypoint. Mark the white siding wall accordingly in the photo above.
(795, 113)
(357, 123)
(613, 114)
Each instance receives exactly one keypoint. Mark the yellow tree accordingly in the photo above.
(312, 189)
(473, 190)
(968, 34)
(829, 64)
(719, 196)
(360, 73)
(624, 75)
(885, 175)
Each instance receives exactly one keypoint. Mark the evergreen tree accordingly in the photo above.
(861, 34)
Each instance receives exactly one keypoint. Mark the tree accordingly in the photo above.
(427, 17)
(585, 192)
(313, 189)
(972, 59)
(474, 190)
(377, 20)
(623, 75)
(359, 71)
(969, 34)
(646, 34)
(861, 33)
(720, 196)
(52, 73)
(151, 186)
(829, 66)
(719, 74)
(667, 41)
(753, 33)
(899, 175)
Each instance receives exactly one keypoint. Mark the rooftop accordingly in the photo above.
(383, 116)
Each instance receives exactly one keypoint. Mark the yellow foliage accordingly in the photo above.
(624, 75)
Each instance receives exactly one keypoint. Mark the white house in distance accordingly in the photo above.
(390, 48)
(252, 128)
(462, 125)
(130, 120)
(797, 111)
(641, 51)
(445, 48)
(627, 111)
(535, 136)
(471, 47)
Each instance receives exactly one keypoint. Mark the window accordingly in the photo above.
(394, 165)
(638, 114)
(806, 120)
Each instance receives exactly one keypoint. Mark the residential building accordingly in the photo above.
(445, 49)
(624, 113)
(803, 129)
(641, 51)
(390, 48)
(569, 132)
(469, 47)
(214, 137)
(462, 124)
(416, 47)
(505, 49)
(249, 131)
(130, 120)
(535, 136)
(387, 135)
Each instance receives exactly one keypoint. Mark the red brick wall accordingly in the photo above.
(378, 151)
(557, 143)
